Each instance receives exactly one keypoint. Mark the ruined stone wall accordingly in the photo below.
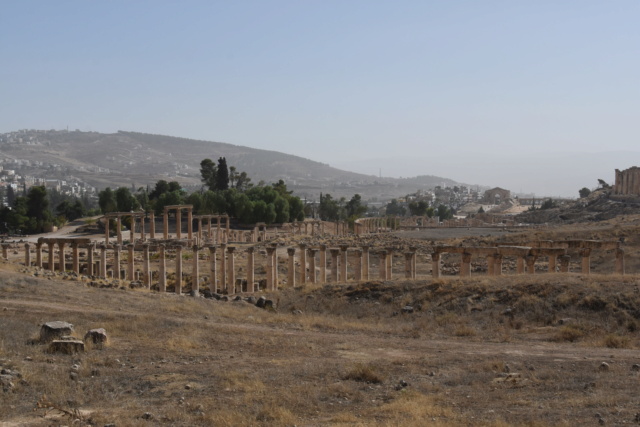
(627, 182)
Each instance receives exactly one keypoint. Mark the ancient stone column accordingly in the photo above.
(619, 261)
(90, 262)
(497, 264)
(76, 258)
(490, 266)
(130, 262)
(145, 266)
(143, 236)
(312, 265)
(383, 264)
(223, 266)
(323, 264)
(132, 230)
(178, 281)
(212, 269)
(218, 229)
(291, 274)
(152, 225)
(435, 264)
(335, 253)
(344, 259)
(178, 223)
(228, 227)
(116, 262)
(52, 262)
(365, 263)
(552, 263)
(195, 271)
(408, 265)
(119, 229)
(250, 270)
(106, 230)
(103, 261)
(27, 255)
(389, 263)
(270, 268)
(200, 228)
(465, 266)
(564, 263)
(531, 264)
(231, 268)
(162, 273)
(303, 263)
(39, 254)
(520, 265)
(61, 264)
(358, 265)
(586, 260)
(165, 223)
(190, 223)
(414, 261)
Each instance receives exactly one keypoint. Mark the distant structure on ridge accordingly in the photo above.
(627, 182)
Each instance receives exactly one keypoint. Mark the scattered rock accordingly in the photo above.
(66, 346)
(407, 309)
(54, 330)
(635, 367)
(267, 304)
(147, 416)
(604, 366)
(96, 336)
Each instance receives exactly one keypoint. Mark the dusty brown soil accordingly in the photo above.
(548, 349)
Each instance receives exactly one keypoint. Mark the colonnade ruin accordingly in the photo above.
(175, 265)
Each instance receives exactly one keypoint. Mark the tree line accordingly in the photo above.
(224, 191)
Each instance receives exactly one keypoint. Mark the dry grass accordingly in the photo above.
(510, 350)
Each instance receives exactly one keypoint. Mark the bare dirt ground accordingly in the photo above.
(548, 349)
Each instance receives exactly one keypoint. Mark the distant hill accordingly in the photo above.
(131, 158)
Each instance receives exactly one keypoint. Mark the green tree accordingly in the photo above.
(355, 208)
(444, 212)
(548, 204)
(125, 201)
(107, 201)
(222, 176)
(395, 208)
(584, 192)
(418, 208)
(208, 173)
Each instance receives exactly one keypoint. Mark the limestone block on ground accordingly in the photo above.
(96, 336)
(66, 346)
(53, 330)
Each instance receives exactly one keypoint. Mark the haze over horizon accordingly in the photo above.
(535, 97)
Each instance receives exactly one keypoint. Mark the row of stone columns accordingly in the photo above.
(310, 260)
(627, 182)
(494, 261)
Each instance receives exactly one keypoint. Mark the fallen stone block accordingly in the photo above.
(66, 347)
(54, 330)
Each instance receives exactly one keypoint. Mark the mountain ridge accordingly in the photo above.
(134, 158)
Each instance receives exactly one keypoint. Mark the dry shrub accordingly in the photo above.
(364, 373)
(569, 333)
(593, 302)
(275, 415)
(412, 408)
(616, 341)
(464, 331)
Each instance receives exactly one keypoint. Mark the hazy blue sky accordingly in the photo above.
(417, 82)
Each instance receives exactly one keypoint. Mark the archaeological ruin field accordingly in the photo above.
(400, 347)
